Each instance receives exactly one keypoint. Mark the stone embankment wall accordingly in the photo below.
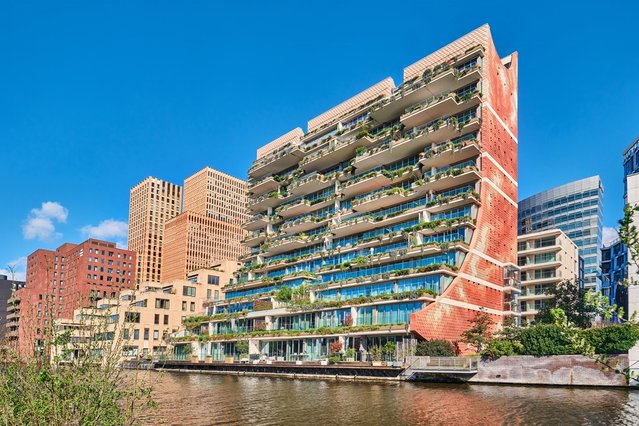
(567, 370)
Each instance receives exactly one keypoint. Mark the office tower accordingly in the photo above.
(577, 209)
(216, 195)
(209, 231)
(152, 203)
(392, 217)
(545, 258)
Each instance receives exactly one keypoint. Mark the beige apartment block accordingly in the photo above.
(217, 195)
(193, 241)
(152, 203)
(140, 322)
(545, 258)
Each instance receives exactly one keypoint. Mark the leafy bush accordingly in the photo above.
(333, 360)
(545, 339)
(284, 294)
(502, 347)
(242, 347)
(613, 339)
(437, 347)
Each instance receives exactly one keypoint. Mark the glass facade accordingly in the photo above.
(577, 209)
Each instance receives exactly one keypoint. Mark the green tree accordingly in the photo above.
(479, 334)
(284, 294)
(435, 347)
(567, 296)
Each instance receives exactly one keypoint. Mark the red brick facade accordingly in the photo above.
(479, 284)
(60, 281)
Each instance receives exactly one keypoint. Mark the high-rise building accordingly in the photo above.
(631, 197)
(217, 195)
(72, 276)
(392, 217)
(614, 271)
(8, 286)
(577, 209)
(545, 258)
(152, 203)
(209, 231)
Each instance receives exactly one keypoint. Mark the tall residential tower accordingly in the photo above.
(152, 203)
(392, 217)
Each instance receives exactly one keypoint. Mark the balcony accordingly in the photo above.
(440, 225)
(353, 226)
(281, 159)
(366, 182)
(266, 184)
(447, 203)
(310, 183)
(303, 206)
(254, 239)
(449, 153)
(556, 263)
(445, 104)
(257, 221)
(452, 178)
(290, 243)
(338, 150)
(411, 93)
(303, 224)
(266, 201)
(381, 199)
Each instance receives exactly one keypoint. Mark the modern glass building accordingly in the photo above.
(393, 216)
(614, 270)
(577, 209)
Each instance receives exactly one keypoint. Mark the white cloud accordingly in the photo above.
(40, 222)
(109, 229)
(609, 235)
(19, 268)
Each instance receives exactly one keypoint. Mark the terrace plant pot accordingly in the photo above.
(195, 359)
(229, 360)
(377, 363)
(208, 359)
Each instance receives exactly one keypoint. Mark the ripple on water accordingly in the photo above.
(205, 399)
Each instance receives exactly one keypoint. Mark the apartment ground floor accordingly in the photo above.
(392, 344)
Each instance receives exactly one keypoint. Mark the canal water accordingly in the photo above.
(204, 399)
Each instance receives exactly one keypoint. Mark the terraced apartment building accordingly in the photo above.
(545, 258)
(393, 217)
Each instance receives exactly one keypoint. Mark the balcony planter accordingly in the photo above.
(229, 360)
(208, 359)
(377, 363)
(324, 362)
(195, 359)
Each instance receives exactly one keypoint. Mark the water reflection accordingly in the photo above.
(202, 399)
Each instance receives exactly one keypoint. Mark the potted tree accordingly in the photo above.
(388, 351)
(376, 355)
(350, 355)
(242, 348)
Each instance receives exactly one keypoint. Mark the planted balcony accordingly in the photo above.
(443, 104)
(353, 226)
(266, 201)
(450, 152)
(311, 183)
(440, 225)
(254, 238)
(304, 223)
(338, 150)
(257, 221)
(451, 74)
(453, 177)
(439, 204)
(381, 199)
(277, 161)
(365, 182)
(263, 185)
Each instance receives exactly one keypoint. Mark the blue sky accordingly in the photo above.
(93, 98)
